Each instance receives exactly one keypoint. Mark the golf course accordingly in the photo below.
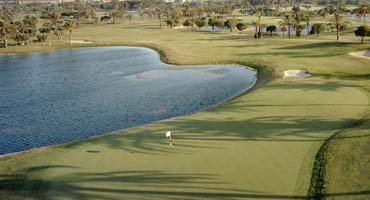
(286, 138)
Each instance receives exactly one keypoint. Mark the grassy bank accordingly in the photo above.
(258, 146)
(342, 165)
(345, 173)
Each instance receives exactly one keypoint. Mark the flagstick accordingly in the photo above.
(170, 140)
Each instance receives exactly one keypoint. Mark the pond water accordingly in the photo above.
(355, 17)
(70, 94)
(253, 28)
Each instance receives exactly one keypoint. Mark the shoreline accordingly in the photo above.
(264, 75)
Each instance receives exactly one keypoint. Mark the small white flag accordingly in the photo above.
(168, 134)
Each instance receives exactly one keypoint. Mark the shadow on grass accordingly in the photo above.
(216, 126)
(302, 86)
(318, 45)
(114, 185)
(296, 54)
(347, 76)
(207, 132)
(225, 37)
(143, 26)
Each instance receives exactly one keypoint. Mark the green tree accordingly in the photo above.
(187, 23)
(230, 24)
(41, 37)
(257, 26)
(22, 32)
(129, 16)
(241, 26)
(307, 18)
(212, 22)
(283, 29)
(171, 22)
(5, 14)
(363, 10)
(117, 13)
(158, 11)
(70, 25)
(220, 23)
(298, 28)
(200, 23)
(287, 22)
(55, 21)
(30, 21)
(362, 31)
(338, 21)
(271, 28)
(90, 13)
(316, 29)
(6, 30)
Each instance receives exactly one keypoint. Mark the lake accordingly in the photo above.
(66, 95)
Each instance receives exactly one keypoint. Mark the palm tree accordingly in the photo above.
(363, 10)
(158, 12)
(307, 18)
(283, 29)
(56, 25)
(70, 25)
(256, 24)
(298, 28)
(5, 31)
(338, 21)
(287, 22)
(323, 12)
(114, 13)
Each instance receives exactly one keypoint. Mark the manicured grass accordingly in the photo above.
(261, 145)
(347, 165)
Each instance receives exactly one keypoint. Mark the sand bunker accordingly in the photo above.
(81, 42)
(361, 54)
(183, 27)
(296, 73)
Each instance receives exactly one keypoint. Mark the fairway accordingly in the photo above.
(260, 145)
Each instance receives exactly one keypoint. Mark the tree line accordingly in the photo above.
(58, 18)
(24, 30)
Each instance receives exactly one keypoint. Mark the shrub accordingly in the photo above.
(200, 23)
(220, 23)
(230, 24)
(212, 22)
(317, 29)
(44, 30)
(241, 26)
(172, 22)
(188, 22)
(104, 18)
(42, 37)
(362, 31)
(271, 28)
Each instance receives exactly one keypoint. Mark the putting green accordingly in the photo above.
(258, 146)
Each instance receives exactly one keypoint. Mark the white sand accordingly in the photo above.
(361, 54)
(296, 73)
(183, 27)
(81, 42)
